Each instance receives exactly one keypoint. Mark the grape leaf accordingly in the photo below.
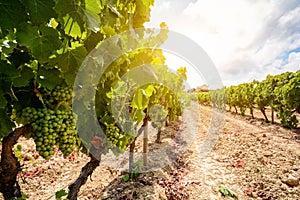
(7, 71)
(93, 6)
(108, 30)
(3, 101)
(26, 98)
(64, 7)
(142, 14)
(72, 28)
(20, 56)
(93, 21)
(92, 40)
(49, 78)
(42, 41)
(8, 47)
(72, 8)
(12, 13)
(59, 194)
(150, 90)
(140, 99)
(143, 75)
(108, 18)
(120, 90)
(138, 115)
(23, 80)
(7, 74)
(6, 125)
(70, 62)
(69, 78)
(126, 177)
(40, 11)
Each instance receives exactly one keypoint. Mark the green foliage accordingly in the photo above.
(18, 152)
(232, 97)
(6, 123)
(39, 10)
(203, 98)
(41, 40)
(43, 45)
(23, 197)
(215, 98)
(59, 195)
(225, 191)
(283, 102)
(48, 78)
(280, 92)
(263, 96)
(136, 169)
(126, 178)
(287, 119)
(291, 92)
(158, 115)
(69, 62)
(218, 98)
(136, 91)
(12, 14)
(140, 99)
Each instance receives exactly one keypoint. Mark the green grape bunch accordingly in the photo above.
(60, 95)
(52, 128)
(116, 137)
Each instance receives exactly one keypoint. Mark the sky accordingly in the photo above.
(246, 39)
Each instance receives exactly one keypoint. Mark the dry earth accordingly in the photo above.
(254, 159)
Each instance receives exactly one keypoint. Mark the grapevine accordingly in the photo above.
(43, 46)
(280, 93)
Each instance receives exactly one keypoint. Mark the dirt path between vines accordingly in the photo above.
(256, 160)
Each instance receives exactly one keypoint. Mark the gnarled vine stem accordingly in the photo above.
(9, 165)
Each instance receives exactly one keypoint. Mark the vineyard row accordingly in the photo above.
(279, 92)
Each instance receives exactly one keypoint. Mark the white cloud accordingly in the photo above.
(293, 62)
(246, 39)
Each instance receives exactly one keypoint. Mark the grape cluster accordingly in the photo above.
(62, 93)
(68, 141)
(115, 136)
(52, 127)
(59, 94)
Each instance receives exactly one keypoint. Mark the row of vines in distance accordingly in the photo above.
(280, 92)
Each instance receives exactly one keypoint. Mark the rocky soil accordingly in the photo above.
(254, 159)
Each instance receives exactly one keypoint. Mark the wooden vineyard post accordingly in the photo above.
(145, 142)
(145, 145)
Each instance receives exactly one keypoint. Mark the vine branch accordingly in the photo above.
(86, 171)
(9, 165)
